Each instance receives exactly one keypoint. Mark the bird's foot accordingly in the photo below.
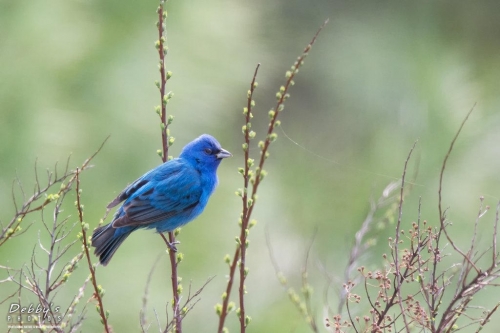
(172, 247)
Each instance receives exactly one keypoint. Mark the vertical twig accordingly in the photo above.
(164, 98)
(442, 215)
(249, 201)
(97, 289)
(400, 278)
(245, 202)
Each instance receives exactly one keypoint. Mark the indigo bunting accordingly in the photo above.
(165, 198)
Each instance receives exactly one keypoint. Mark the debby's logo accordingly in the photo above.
(32, 313)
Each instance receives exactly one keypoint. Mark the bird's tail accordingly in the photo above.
(106, 241)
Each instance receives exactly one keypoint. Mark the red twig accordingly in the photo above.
(162, 51)
(97, 289)
(249, 201)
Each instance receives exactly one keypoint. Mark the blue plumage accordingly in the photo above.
(164, 198)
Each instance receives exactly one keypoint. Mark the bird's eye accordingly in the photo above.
(208, 151)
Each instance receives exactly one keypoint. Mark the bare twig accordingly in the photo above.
(442, 215)
(399, 277)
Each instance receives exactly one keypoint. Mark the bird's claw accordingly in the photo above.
(172, 247)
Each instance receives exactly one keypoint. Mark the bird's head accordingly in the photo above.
(204, 152)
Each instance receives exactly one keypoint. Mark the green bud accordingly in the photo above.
(282, 279)
(179, 289)
(218, 309)
(288, 74)
(281, 107)
(282, 89)
(245, 110)
(248, 319)
(278, 96)
(250, 162)
(227, 259)
(160, 153)
(230, 306)
(271, 114)
(239, 192)
(170, 119)
(171, 141)
(177, 231)
(261, 145)
(255, 84)
(244, 129)
(252, 223)
(272, 137)
(179, 258)
(277, 123)
(169, 74)
(251, 135)
(158, 110)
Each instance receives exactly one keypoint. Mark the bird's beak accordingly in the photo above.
(223, 154)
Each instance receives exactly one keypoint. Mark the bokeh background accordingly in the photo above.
(382, 75)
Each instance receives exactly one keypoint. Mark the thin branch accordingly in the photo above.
(442, 216)
(97, 289)
(399, 277)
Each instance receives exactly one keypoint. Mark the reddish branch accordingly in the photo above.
(164, 138)
(249, 201)
(97, 293)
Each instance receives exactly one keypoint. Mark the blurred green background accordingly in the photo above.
(382, 75)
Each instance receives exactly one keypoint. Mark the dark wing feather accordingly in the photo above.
(128, 191)
(170, 198)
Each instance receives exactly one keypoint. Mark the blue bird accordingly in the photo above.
(165, 198)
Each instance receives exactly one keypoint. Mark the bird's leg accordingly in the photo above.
(171, 246)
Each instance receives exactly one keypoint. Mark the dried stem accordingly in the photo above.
(399, 278)
(12, 228)
(442, 214)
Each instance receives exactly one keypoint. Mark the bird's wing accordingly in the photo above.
(173, 191)
(136, 185)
